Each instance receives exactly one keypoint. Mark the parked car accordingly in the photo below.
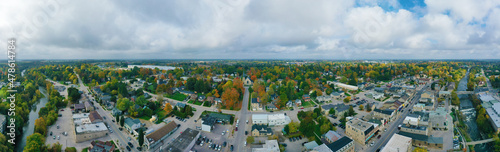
(246, 132)
(128, 148)
(231, 148)
(130, 144)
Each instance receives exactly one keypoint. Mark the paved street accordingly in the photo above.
(242, 115)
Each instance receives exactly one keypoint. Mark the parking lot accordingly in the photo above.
(211, 141)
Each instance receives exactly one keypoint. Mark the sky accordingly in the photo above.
(257, 29)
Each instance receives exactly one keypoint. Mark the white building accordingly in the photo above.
(259, 118)
(342, 85)
(269, 146)
(398, 143)
(412, 120)
(271, 119)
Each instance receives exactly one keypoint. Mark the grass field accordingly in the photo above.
(198, 103)
(177, 96)
(307, 104)
(190, 101)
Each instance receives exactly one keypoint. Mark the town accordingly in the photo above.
(262, 106)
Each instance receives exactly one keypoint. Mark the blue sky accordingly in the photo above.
(244, 29)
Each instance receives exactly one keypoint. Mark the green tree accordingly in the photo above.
(70, 149)
(250, 139)
(41, 126)
(141, 137)
(331, 111)
(35, 143)
(324, 128)
(293, 126)
(117, 118)
(122, 121)
(347, 99)
(361, 107)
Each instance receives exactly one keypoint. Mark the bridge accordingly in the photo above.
(481, 141)
(465, 92)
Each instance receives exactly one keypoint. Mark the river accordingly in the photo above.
(469, 112)
(30, 127)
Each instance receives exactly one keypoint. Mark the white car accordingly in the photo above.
(245, 143)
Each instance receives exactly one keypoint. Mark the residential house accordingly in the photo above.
(100, 146)
(261, 130)
(271, 106)
(298, 102)
(255, 104)
(132, 125)
(306, 98)
(201, 98)
(331, 136)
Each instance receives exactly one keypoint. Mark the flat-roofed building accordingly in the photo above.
(494, 116)
(278, 119)
(259, 118)
(419, 140)
(269, 146)
(183, 143)
(156, 139)
(398, 143)
(90, 131)
(360, 131)
(344, 144)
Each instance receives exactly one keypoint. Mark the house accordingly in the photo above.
(344, 144)
(324, 98)
(360, 131)
(298, 102)
(247, 81)
(398, 143)
(269, 146)
(306, 98)
(340, 108)
(116, 112)
(105, 98)
(271, 106)
(289, 103)
(156, 139)
(186, 92)
(261, 130)
(255, 104)
(211, 100)
(99, 146)
(336, 95)
(79, 107)
(194, 97)
(180, 105)
(132, 124)
(201, 98)
(88, 106)
(331, 136)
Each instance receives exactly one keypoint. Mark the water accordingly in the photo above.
(30, 127)
(467, 108)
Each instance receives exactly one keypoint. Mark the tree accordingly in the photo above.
(293, 126)
(351, 111)
(41, 126)
(347, 99)
(117, 119)
(331, 111)
(141, 137)
(56, 147)
(122, 121)
(167, 108)
(368, 107)
(123, 104)
(250, 139)
(230, 97)
(307, 126)
(35, 143)
(70, 149)
(324, 128)
(361, 107)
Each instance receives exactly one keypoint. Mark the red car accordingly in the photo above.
(236, 128)
(302, 108)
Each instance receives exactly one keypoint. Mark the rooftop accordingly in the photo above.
(397, 143)
(96, 127)
(361, 125)
(339, 143)
(182, 142)
(160, 133)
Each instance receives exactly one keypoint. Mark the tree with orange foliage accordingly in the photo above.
(168, 107)
(230, 97)
(253, 78)
(238, 84)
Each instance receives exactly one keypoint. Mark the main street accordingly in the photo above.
(393, 126)
(242, 116)
(117, 134)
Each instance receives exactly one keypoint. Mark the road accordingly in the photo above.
(242, 116)
(393, 126)
(117, 135)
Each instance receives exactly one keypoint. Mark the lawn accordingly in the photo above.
(190, 101)
(177, 96)
(198, 103)
(207, 104)
(307, 104)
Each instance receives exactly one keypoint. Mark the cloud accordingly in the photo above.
(221, 29)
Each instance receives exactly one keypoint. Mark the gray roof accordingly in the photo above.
(432, 140)
(335, 146)
(386, 111)
(130, 122)
(262, 128)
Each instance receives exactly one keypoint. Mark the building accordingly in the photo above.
(90, 131)
(439, 119)
(398, 143)
(259, 119)
(132, 125)
(311, 145)
(444, 94)
(3, 123)
(360, 131)
(255, 104)
(387, 114)
(494, 116)
(331, 136)
(99, 146)
(94, 117)
(339, 108)
(278, 119)
(344, 144)
(261, 130)
(183, 143)
(306, 97)
(247, 81)
(412, 119)
(427, 95)
(208, 122)
(342, 85)
(116, 112)
(298, 102)
(156, 139)
(419, 140)
(271, 119)
(421, 130)
(269, 146)
(79, 108)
